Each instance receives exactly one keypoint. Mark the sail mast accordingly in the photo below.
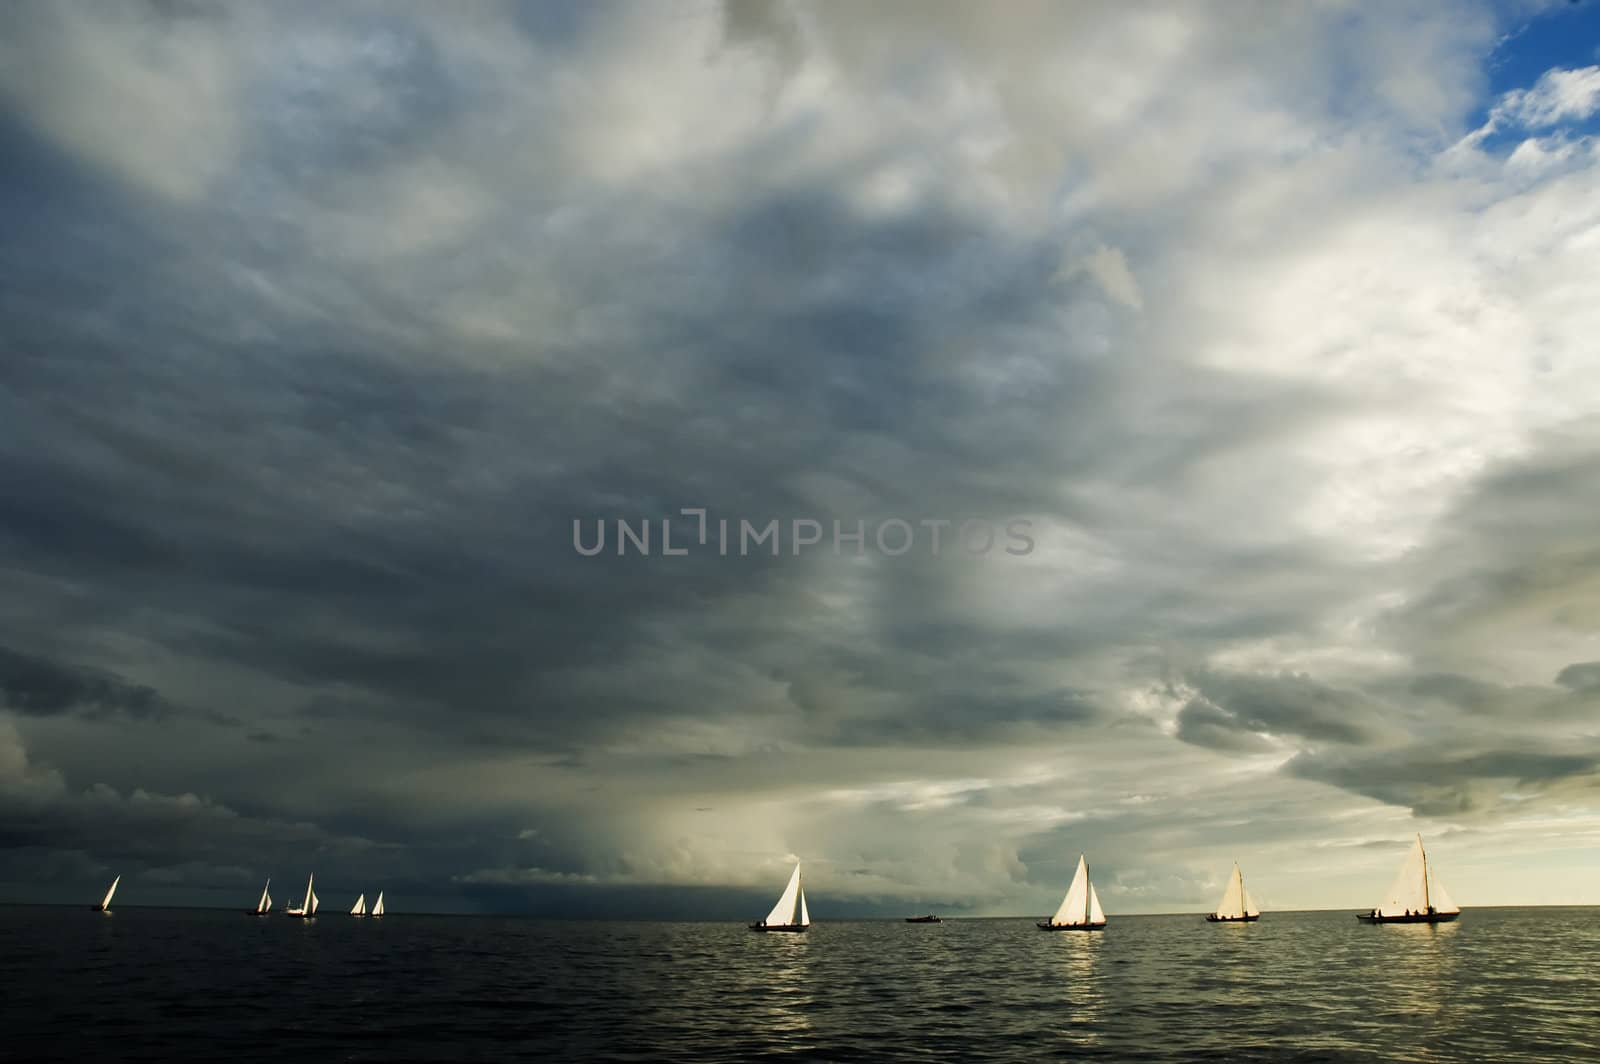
(1425, 905)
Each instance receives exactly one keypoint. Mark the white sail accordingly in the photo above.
(266, 899)
(106, 904)
(314, 900)
(805, 914)
(1231, 907)
(1438, 897)
(267, 907)
(784, 913)
(377, 906)
(305, 906)
(1078, 906)
(1409, 891)
(1097, 915)
(360, 907)
(1250, 906)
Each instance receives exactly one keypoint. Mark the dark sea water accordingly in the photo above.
(165, 984)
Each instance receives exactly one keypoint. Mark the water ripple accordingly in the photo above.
(151, 984)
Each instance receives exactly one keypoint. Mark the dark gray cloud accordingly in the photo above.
(305, 383)
(1453, 780)
(1286, 704)
(38, 686)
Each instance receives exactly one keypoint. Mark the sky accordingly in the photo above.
(333, 335)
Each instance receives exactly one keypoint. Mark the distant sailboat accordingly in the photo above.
(360, 907)
(308, 908)
(264, 906)
(1415, 897)
(1080, 909)
(1236, 903)
(105, 904)
(377, 906)
(790, 913)
(929, 919)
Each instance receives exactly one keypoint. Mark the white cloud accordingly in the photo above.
(1558, 96)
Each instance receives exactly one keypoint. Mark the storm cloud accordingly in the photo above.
(323, 328)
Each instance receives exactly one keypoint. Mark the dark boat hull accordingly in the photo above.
(794, 928)
(1418, 918)
(1070, 927)
(923, 920)
(1213, 918)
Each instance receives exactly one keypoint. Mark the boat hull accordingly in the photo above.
(793, 928)
(1070, 927)
(923, 920)
(1213, 918)
(1416, 918)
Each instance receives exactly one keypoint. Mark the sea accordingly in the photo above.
(147, 984)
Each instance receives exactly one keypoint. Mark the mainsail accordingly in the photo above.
(1416, 888)
(377, 906)
(1081, 906)
(360, 907)
(105, 905)
(1236, 903)
(791, 908)
(266, 899)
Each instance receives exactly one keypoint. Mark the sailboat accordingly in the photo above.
(1416, 896)
(1080, 909)
(360, 907)
(377, 906)
(308, 908)
(105, 903)
(264, 906)
(1236, 904)
(790, 913)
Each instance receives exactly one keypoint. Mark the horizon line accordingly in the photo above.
(717, 920)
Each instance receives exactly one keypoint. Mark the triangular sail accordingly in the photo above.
(106, 904)
(805, 914)
(267, 908)
(1097, 915)
(1074, 907)
(314, 900)
(1232, 907)
(305, 906)
(783, 914)
(1250, 906)
(266, 899)
(377, 906)
(1409, 891)
(360, 907)
(1438, 897)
